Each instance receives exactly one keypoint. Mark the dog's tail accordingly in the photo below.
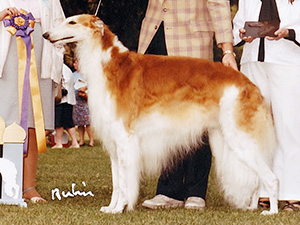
(244, 147)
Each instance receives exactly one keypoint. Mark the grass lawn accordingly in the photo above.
(88, 168)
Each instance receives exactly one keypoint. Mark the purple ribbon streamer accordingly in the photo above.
(24, 32)
(26, 91)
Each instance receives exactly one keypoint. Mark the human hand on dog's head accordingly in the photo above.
(11, 11)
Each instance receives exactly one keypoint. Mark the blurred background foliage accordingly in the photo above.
(124, 17)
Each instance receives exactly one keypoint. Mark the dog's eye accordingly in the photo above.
(72, 22)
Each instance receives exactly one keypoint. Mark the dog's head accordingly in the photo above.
(75, 29)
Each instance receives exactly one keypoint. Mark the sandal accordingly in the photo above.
(35, 199)
(264, 203)
(291, 206)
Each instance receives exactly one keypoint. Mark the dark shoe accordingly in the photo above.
(291, 207)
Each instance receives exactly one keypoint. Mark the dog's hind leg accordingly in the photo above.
(270, 183)
(248, 150)
(248, 161)
(238, 183)
(250, 156)
(254, 200)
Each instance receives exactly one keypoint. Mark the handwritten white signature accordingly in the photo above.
(73, 193)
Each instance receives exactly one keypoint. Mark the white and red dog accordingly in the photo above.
(148, 110)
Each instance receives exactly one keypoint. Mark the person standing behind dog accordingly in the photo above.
(47, 13)
(64, 111)
(186, 28)
(273, 64)
(81, 113)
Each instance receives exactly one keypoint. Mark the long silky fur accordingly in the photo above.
(149, 110)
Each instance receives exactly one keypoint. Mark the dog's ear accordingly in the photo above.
(98, 24)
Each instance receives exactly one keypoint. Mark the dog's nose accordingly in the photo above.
(46, 35)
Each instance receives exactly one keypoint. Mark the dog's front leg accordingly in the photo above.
(133, 171)
(115, 181)
(129, 172)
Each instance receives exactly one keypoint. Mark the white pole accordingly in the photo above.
(98, 7)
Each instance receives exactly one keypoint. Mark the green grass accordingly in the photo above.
(61, 168)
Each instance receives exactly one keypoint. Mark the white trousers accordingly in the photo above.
(280, 85)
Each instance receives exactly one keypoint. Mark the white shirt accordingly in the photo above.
(283, 52)
(51, 16)
(30, 6)
(68, 84)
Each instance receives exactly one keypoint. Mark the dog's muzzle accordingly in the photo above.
(47, 37)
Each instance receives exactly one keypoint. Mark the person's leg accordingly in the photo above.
(170, 183)
(197, 168)
(197, 171)
(69, 125)
(89, 131)
(59, 110)
(169, 192)
(285, 94)
(59, 133)
(72, 133)
(30, 168)
(81, 135)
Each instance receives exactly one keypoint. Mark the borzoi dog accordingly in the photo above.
(148, 110)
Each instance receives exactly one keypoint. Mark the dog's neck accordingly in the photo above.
(96, 55)
(93, 58)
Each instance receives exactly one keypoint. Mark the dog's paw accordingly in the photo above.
(271, 212)
(116, 211)
(106, 209)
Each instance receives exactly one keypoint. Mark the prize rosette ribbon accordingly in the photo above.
(22, 26)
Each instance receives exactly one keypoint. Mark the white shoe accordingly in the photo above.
(75, 146)
(162, 201)
(195, 203)
(57, 147)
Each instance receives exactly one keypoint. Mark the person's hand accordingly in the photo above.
(248, 39)
(280, 33)
(228, 55)
(229, 60)
(11, 11)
